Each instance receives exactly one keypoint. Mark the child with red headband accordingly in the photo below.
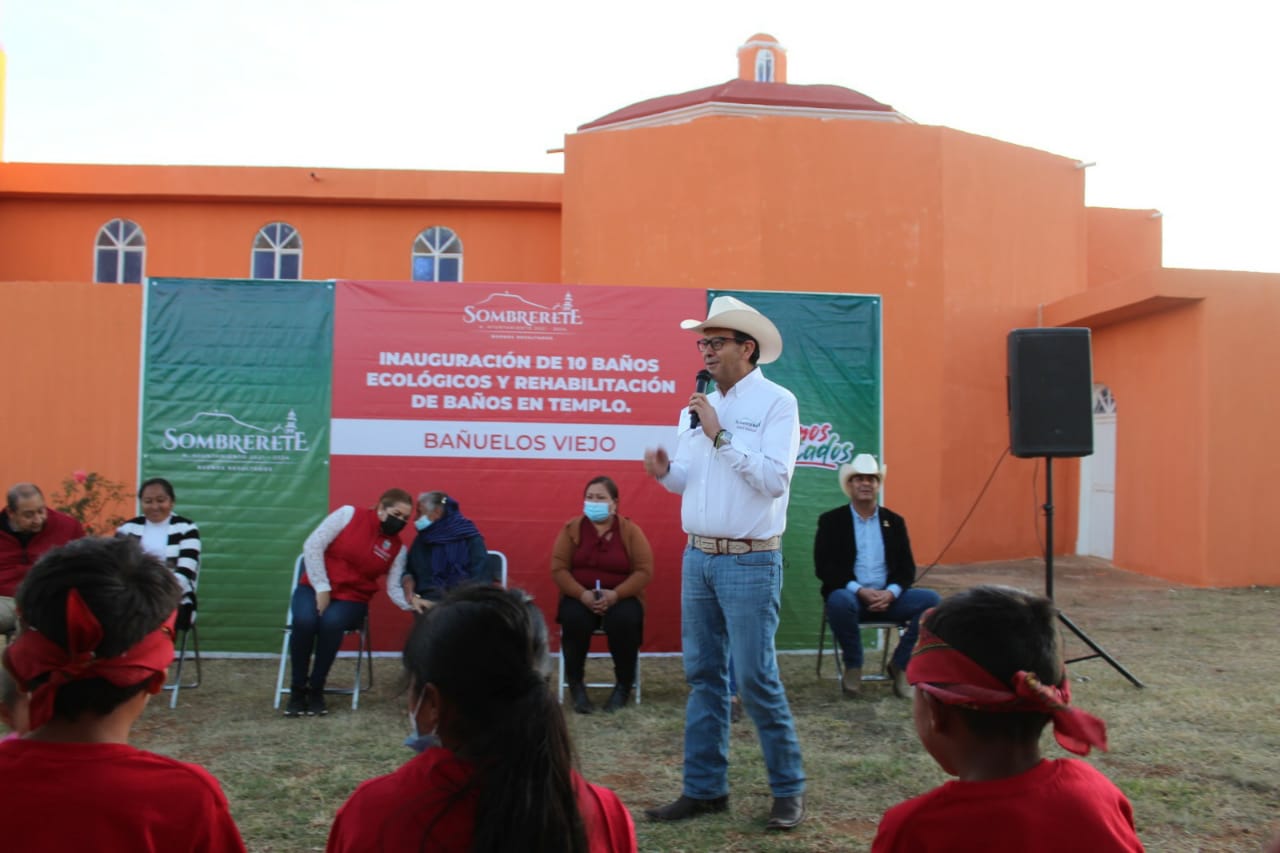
(988, 678)
(97, 639)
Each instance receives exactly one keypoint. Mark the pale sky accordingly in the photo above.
(1174, 102)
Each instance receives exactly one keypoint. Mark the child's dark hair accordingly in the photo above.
(485, 651)
(1005, 631)
(130, 593)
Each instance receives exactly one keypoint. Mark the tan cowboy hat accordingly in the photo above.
(863, 463)
(727, 312)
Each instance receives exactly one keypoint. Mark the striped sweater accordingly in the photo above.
(182, 553)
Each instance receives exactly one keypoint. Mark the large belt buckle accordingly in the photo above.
(736, 546)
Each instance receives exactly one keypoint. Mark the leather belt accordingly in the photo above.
(708, 545)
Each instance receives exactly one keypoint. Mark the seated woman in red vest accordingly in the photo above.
(344, 558)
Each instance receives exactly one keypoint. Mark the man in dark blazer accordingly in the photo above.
(862, 555)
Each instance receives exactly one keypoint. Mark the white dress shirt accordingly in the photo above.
(741, 490)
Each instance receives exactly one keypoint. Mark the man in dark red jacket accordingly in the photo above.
(27, 529)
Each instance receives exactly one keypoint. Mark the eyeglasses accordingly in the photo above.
(715, 344)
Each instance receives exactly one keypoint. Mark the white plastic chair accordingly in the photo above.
(363, 654)
(496, 567)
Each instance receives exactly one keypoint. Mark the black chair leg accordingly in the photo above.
(177, 675)
(195, 642)
(822, 636)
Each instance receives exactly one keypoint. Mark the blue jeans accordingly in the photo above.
(845, 611)
(321, 631)
(729, 605)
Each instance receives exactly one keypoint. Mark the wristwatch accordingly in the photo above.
(723, 438)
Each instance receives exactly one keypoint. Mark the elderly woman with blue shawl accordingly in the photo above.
(448, 551)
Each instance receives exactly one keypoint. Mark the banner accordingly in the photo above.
(510, 397)
(267, 404)
(235, 413)
(831, 362)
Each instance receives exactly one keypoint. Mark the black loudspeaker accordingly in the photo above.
(1050, 392)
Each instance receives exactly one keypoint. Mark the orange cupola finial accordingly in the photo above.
(763, 60)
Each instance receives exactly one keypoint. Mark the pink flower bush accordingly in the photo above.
(93, 500)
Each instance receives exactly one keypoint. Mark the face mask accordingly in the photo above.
(392, 525)
(422, 523)
(416, 741)
(595, 510)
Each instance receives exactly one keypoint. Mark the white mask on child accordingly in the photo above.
(416, 741)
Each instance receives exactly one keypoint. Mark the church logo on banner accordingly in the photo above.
(510, 312)
(220, 441)
(821, 447)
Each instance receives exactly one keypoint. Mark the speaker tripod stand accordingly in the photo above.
(1098, 651)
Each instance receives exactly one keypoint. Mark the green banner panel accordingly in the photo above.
(831, 362)
(235, 413)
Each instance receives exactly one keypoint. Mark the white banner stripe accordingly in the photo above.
(495, 440)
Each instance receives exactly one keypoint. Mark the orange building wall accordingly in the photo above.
(1189, 356)
(962, 236)
(1156, 370)
(1122, 243)
(780, 204)
(1242, 413)
(197, 238)
(74, 405)
(1014, 235)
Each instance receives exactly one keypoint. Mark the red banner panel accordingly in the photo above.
(510, 397)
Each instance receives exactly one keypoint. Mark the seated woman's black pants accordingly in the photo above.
(623, 625)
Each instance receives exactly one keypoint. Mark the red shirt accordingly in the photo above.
(600, 558)
(393, 812)
(76, 797)
(1060, 806)
(16, 559)
(359, 557)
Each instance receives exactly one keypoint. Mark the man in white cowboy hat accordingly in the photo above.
(734, 472)
(862, 555)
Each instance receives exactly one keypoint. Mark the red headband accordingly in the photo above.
(955, 679)
(33, 654)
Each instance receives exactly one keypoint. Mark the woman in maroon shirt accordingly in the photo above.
(601, 562)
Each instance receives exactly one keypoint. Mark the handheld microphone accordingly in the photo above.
(701, 384)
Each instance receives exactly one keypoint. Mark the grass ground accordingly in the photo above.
(1197, 750)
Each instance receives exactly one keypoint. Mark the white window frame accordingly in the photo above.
(121, 247)
(434, 251)
(764, 65)
(277, 249)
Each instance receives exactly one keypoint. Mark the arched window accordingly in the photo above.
(119, 253)
(277, 252)
(437, 255)
(764, 66)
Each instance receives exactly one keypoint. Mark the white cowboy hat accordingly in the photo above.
(727, 312)
(863, 463)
